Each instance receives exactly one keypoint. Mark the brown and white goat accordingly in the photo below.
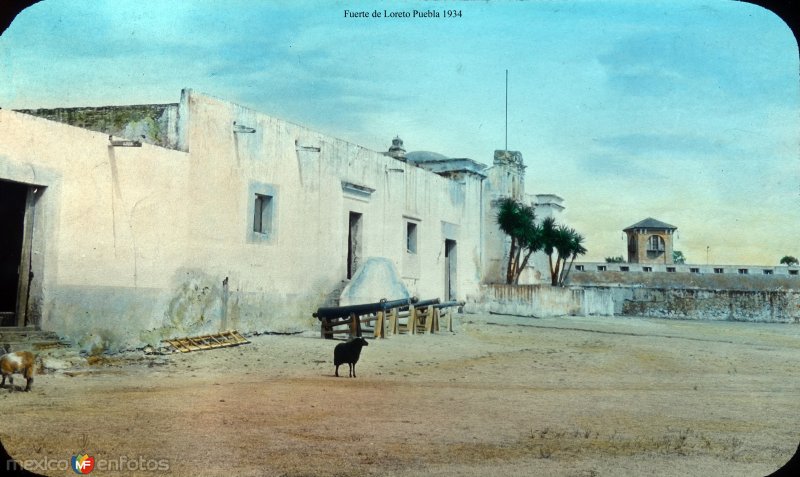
(20, 362)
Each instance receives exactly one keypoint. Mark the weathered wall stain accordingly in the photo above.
(152, 123)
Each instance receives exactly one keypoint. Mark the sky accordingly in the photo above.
(684, 111)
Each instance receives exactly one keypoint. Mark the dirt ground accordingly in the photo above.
(504, 396)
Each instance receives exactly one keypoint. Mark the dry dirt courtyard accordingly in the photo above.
(499, 396)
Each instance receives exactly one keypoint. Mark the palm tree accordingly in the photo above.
(549, 232)
(531, 242)
(517, 220)
(562, 242)
(555, 239)
(577, 248)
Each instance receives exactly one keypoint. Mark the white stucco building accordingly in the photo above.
(204, 215)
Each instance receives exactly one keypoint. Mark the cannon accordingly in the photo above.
(332, 316)
(440, 309)
(426, 303)
(331, 312)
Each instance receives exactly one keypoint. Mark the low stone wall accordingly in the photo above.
(769, 306)
(704, 281)
(697, 304)
(539, 301)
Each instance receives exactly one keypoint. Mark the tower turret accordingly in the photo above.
(396, 150)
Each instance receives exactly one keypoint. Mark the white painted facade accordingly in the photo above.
(130, 245)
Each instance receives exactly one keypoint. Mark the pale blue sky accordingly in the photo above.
(684, 111)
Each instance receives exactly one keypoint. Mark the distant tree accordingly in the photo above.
(789, 260)
(678, 257)
(518, 221)
(617, 259)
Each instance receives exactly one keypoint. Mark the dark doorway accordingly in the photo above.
(450, 270)
(353, 243)
(13, 199)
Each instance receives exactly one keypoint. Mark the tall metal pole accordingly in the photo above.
(506, 110)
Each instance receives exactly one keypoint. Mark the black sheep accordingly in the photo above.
(348, 353)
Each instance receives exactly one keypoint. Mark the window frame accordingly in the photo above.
(256, 194)
(412, 237)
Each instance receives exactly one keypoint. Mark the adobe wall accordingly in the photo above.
(317, 180)
(110, 228)
(138, 244)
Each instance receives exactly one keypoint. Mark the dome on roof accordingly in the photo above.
(425, 156)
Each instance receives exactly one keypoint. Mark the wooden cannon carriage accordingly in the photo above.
(419, 316)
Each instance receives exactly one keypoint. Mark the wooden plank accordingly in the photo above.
(378, 333)
(25, 273)
(393, 321)
(429, 320)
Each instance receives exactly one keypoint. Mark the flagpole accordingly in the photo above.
(506, 110)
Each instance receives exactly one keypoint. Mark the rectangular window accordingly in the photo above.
(262, 214)
(671, 269)
(694, 270)
(580, 268)
(411, 237)
(719, 270)
(767, 272)
(624, 269)
(793, 272)
(743, 271)
(263, 207)
(647, 269)
(601, 268)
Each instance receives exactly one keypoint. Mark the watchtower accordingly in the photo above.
(650, 241)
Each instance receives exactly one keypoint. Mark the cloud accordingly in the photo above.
(645, 144)
(718, 63)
